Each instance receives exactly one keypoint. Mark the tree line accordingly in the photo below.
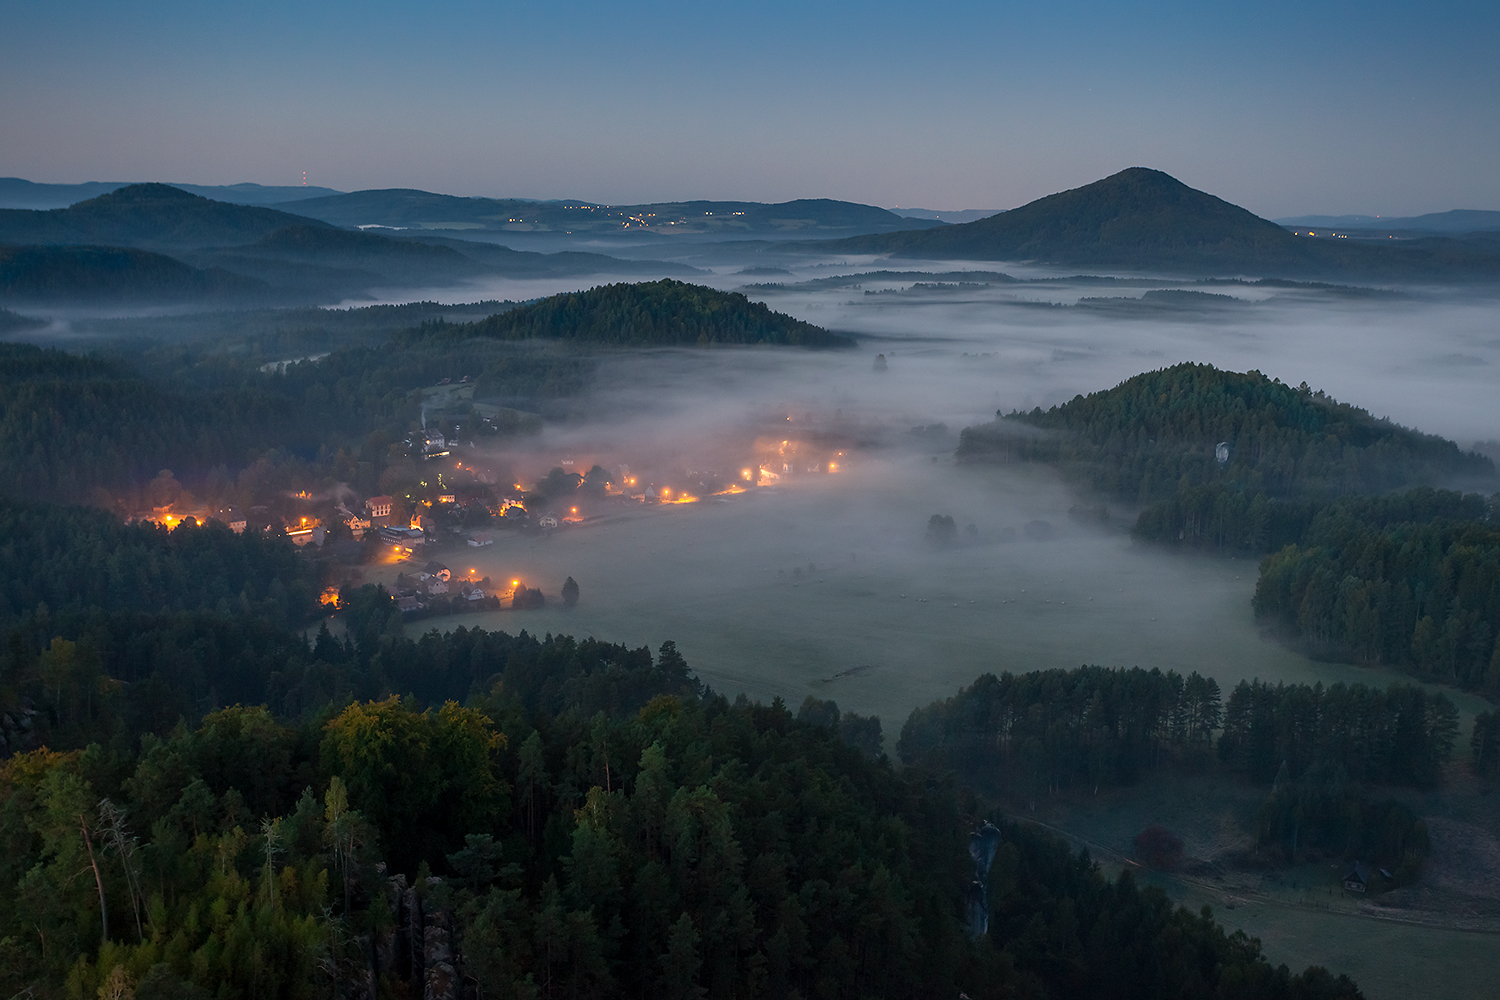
(1422, 595)
(1094, 727)
(1048, 730)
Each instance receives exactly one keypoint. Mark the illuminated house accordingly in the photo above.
(379, 507)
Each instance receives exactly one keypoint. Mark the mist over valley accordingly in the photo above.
(1180, 550)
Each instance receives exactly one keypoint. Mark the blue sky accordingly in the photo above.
(1285, 108)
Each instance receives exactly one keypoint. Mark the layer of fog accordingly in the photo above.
(1427, 359)
(779, 590)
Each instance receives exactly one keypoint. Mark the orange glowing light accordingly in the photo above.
(745, 473)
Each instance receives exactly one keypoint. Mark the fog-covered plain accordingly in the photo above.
(903, 622)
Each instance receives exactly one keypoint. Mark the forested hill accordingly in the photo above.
(1142, 219)
(146, 215)
(1409, 579)
(1158, 432)
(92, 274)
(71, 427)
(648, 314)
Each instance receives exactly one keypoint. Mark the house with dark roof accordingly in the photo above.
(1357, 878)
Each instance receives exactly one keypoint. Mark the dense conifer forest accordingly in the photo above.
(588, 822)
(1364, 559)
(658, 313)
(88, 429)
(200, 800)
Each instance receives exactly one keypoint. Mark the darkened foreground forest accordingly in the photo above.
(661, 313)
(1238, 463)
(482, 814)
(586, 824)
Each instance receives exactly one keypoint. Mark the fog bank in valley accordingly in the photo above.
(822, 582)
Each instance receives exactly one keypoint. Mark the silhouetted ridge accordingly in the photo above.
(147, 215)
(1144, 219)
(1113, 220)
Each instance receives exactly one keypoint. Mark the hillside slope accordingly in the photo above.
(72, 274)
(152, 216)
(662, 313)
(1158, 432)
(1143, 219)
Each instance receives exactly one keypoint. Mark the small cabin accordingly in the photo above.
(548, 521)
(1357, 878)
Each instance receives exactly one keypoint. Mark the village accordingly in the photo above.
(455, 496)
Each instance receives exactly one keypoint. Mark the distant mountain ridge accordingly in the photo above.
(255, 251)
(18, 193)
(153, 216)
(1144, 219)
(406, 208)
(939, 215)
(1459, 220)
(85, 274)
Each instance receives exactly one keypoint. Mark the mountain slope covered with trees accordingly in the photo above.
(1365, 560)
(663, 313)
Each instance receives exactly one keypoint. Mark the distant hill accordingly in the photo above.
(1142, 219)
(295, 258)
(110, 274)
(155, 216)
(659, 313)
(323, 261)
(1112, 221)
(951, 217)
(404, 208)
(1158, 433)
(11, 322)
(1459, 220)
(527, 263)
(18, 193)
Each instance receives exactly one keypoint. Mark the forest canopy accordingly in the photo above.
(655, 313)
